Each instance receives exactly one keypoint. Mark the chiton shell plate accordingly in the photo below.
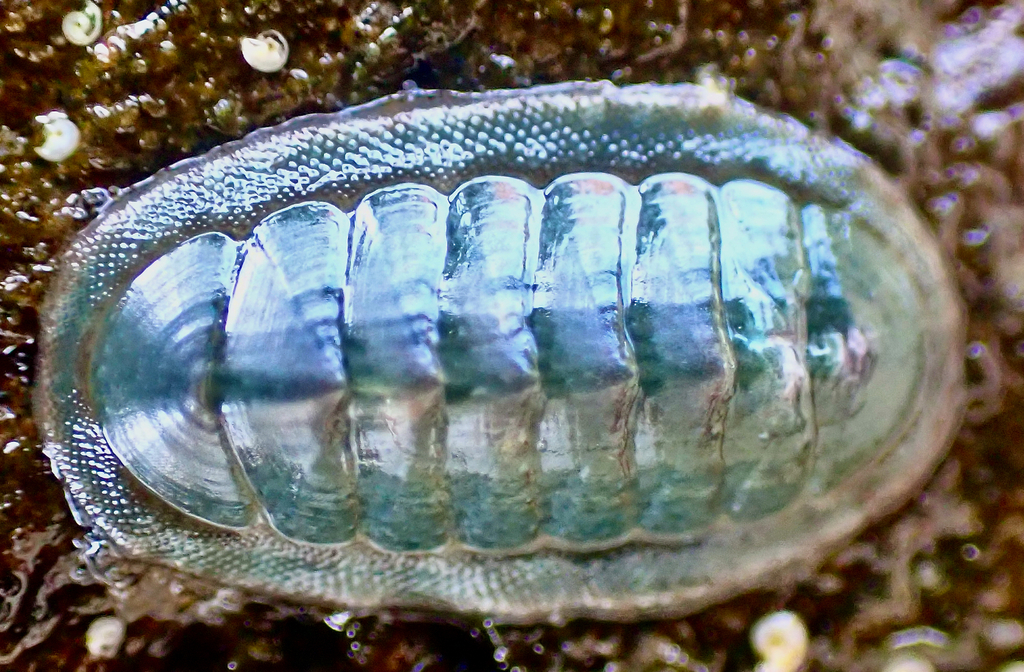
(575, 350)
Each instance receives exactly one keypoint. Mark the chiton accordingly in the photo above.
(575, 350)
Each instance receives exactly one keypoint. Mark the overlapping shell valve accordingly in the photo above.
(579, 349)
(504, 363)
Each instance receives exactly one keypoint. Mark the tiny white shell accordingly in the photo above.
(61, 137)
(909, 663)
(267, 52)
(104, 637)
(781, 640)
(1006, 634)
(84, 26)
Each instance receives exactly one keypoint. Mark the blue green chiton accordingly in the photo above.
(575, 350)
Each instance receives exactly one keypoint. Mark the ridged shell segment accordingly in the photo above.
(583, 363)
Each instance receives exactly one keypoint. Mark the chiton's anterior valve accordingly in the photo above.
(576, 350)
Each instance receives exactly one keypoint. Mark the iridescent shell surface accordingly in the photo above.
(575, 350)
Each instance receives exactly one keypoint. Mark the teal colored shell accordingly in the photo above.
(575, 350)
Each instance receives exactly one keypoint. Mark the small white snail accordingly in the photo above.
(908, 663)
(84, 26)
(267, 52)
(61, 137)
(781, 640)
(104, 637)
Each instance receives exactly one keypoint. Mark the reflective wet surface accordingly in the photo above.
(933, 95)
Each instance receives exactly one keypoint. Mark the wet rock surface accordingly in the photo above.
(935, 94)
